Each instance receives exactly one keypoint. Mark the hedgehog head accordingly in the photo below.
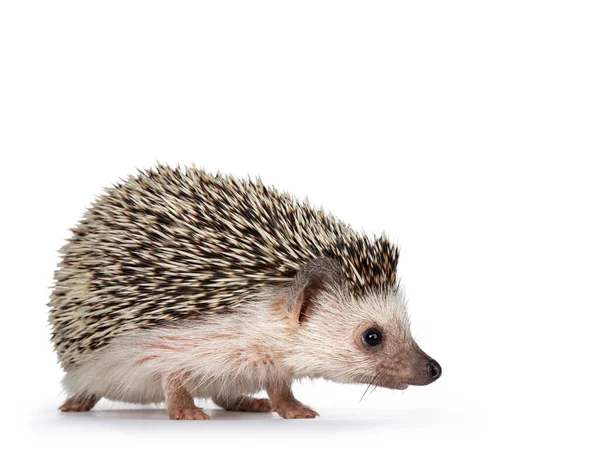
(351, 337)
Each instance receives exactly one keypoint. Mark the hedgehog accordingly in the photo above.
(178, 285)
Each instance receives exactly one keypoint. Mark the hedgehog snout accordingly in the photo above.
(426, 370)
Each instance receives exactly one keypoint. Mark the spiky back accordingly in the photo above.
(170, 244)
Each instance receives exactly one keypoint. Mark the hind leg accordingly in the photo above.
(79, 403)
(180, 403)
(243, 403)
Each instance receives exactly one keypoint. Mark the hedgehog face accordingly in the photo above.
(363, 339)
(393, 357)
(352, 338)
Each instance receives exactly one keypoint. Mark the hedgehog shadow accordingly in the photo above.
(416, 418)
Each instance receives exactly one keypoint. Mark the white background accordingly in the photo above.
(468, 130)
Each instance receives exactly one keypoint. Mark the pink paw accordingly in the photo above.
(297, 412)
(188, 414)
(76, 404)
(259, 405)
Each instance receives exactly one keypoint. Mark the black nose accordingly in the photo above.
(434, 370)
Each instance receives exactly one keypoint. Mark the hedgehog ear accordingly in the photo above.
(316, 275)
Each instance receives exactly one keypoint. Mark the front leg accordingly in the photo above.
(180, 404)
(286, 405)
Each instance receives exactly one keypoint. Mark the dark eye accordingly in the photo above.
(372, 337)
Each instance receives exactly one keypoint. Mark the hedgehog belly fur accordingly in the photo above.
(224, 353)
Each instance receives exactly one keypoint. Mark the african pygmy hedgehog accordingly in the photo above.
(179, 284)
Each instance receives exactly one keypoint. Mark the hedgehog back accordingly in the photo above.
(171, 244)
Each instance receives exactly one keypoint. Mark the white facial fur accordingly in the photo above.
(329, 343)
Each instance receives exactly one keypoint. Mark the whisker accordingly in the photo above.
(371, 384)
(363, 396)
(367, 388)
(372, 390)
